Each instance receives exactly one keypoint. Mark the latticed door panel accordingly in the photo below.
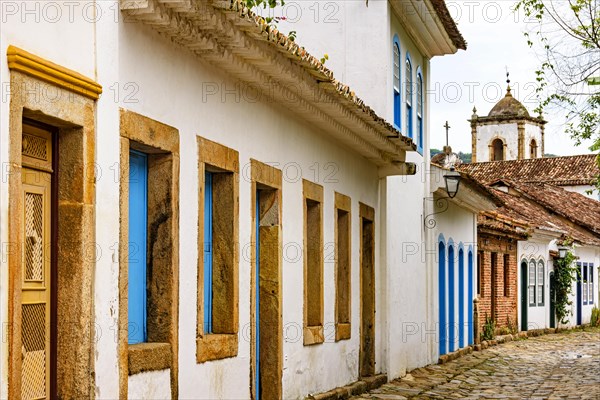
(35, 306)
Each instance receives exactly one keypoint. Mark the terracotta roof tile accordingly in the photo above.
(552, 208)
(559, 171)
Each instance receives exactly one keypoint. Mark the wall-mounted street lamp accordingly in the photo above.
(562, 251)
(452, 179)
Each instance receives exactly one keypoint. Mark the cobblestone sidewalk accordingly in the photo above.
(558, 366)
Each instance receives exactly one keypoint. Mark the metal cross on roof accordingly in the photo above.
(447, 128)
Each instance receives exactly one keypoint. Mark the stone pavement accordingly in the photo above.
(557, 366)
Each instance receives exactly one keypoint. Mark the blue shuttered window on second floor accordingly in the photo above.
(208, 251)
(138, 223)
(409, 99)
(396, 83)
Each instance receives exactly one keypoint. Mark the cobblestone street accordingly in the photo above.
(557, 366)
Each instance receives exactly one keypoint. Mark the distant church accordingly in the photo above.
(507, 133)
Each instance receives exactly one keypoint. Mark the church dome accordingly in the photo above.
(508, 106)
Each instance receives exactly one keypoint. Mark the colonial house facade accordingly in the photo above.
(193, 206)
(543, 203)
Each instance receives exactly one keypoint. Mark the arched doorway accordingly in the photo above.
(497, 150)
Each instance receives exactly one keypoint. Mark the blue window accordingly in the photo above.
(461, 298)
(451, 297)
(208, 251)
(470, 297)
(442, 296)
(138, 217)
(396, 83)
(409, 97)
(419, 110)
(591, 280)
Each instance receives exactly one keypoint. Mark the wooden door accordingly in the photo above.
(36, 304)
(367, 298)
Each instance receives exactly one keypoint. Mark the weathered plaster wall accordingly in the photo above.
(532, 132)
(487, 133)
(153, 385)
(344, 30)
(268, 133)
(538, 317)
(459, 226)
(587, 254)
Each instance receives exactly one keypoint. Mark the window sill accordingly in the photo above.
(342, 331)
(313, 335)
(216, 347)
(144, 357)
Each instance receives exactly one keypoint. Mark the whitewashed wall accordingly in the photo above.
(507, 132)
(269, 134)
(145, 73)
(587, 254)
(539, 316)
(346, 32)
(459, 226)
(72, 26)
(538, 248)
(532, 132)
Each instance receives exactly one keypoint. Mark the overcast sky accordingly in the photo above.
(495, 40)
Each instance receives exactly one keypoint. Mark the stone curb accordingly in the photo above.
(345, 392)
(503, 339)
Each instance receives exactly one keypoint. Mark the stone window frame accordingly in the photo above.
(161, 142)
(533, 149)
(343, 328)
(313, 334)
(71, 110)
(491, 148)
(216, 346)
(267, 177)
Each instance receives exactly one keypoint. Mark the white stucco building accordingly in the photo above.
(194, 206)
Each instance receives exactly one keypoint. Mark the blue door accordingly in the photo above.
(257, 289)
(451, 301)
(442, 296)
(138, 205)
(461, 298)
(470, 297)
(208, 251)
(579, 295)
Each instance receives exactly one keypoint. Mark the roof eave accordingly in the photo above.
(229, 36)
(430, 26)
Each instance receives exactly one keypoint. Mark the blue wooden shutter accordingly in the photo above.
(138, 215)
(442, 296)
(451, 297)
(208, 251)
(461, 298)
